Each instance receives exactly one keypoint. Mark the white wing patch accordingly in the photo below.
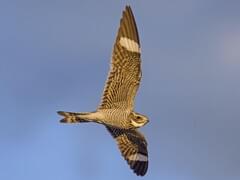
(138, 157)
(129, 44)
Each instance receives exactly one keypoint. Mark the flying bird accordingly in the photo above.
(116, 110)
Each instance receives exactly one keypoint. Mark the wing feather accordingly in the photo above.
(133, 147)
(125, 72)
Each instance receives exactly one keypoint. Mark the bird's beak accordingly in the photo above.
(147, 121)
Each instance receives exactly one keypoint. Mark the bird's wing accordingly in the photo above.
(125, 72)
(133, 147)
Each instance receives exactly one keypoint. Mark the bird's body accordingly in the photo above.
(116, 110)
(110, 117)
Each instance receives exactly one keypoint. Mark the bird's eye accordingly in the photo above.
(138, 117)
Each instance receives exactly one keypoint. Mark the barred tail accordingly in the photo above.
(72, 117)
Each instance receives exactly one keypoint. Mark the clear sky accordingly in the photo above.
(54, 55)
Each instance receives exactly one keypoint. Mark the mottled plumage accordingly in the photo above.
(116, 110)
(125, 73)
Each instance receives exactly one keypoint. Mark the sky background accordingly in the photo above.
(54, 55)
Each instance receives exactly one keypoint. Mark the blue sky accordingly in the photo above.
(54, 55)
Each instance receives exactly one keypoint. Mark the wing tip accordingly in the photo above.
(139, 167)
(128, 7)
(128, 27)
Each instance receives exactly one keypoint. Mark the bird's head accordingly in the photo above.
(138, 120)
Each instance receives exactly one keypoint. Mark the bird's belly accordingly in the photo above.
(116, 118)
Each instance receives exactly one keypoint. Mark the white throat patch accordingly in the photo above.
(135, 124)
(129, 44)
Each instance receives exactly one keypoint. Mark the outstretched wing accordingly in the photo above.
(125, 72)
(133, 147)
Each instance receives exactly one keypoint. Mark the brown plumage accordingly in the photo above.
(125, 73)
(116, 110)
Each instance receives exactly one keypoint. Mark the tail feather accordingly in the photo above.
(71, 117)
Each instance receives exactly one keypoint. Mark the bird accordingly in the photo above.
(116, 109)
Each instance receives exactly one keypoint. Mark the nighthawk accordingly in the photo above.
(116, 110)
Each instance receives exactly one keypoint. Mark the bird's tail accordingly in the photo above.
(72, 117)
